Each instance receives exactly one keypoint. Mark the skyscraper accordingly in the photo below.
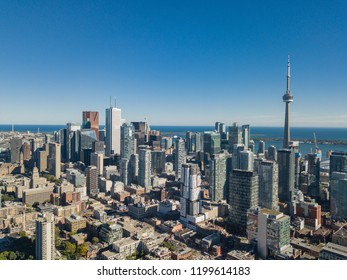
(124, 171)
(15, 146)
(127, 142)
(243, 195)
(145, 166)
(44, 242)
(338, 162)
(235, 136)
(92, 180)
(287, 98)
(97, 159)
(211, 142)
(90, 120)
(246, 160)
(158, 162)
(286, 174)
(338, 198)
(54, 159)
(272, 153)
(246, 135)
(261, 147)
(193, 142)
(268, 184)
(133, 168)
(180, 156)
(218, 177)
(190, 191)
(113, 124)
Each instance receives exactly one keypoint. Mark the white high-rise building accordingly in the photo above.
(145, 166)
(190, 191)
(113, 124)
(44, 242)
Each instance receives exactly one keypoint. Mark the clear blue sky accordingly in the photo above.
(174, 62)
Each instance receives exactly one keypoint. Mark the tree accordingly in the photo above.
(3, 257)
(82, 250)
(12, 256)
(69, 247)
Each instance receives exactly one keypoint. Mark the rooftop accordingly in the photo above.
(337, 249)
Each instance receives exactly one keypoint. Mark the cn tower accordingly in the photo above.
(287, 98)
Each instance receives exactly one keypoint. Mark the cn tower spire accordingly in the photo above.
(288, 75)
(287, 98)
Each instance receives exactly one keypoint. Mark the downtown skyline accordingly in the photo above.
(172, 63)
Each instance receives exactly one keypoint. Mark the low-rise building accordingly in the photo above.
(340, 237)
(75, 223)
(126, 246)
(182, 254)
(333, 251)
(40, 195)
(110, 233)
(143, 210)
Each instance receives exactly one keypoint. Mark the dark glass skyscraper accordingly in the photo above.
(286, 174)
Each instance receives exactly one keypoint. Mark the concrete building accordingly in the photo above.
(40, 195)
(145, 166)
(104, 185)
(333, 251)
(143, 210)
(179, 156)
(340, 237)
(273, 232)
(44, 241)
(110, 171)
(36, 180)
(126, 246)
(97, 159)
(92, 180)
(75, 177)
(124, 171)
(243, 195)
(75, 223)
(110, 233)
(190, 192)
